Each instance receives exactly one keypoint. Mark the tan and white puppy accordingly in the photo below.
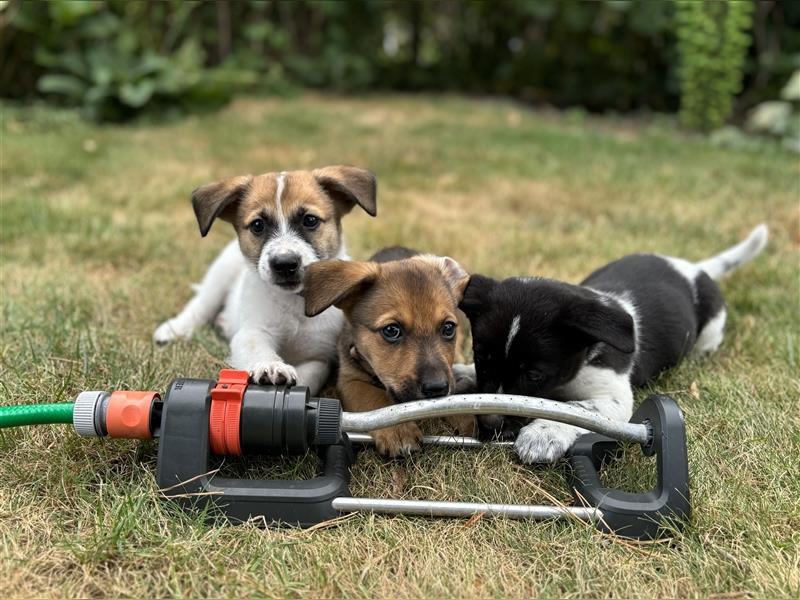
(284, 222)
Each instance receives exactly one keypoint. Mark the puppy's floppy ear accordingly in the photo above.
(333, 282)
(348, 186)
(454, 274)
(601, 322)
(476, 295)
(218, 199)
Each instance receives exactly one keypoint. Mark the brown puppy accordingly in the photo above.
(399, 338)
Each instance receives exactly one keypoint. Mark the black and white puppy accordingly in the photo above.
(588, 344)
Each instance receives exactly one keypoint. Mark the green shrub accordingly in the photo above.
(713, 40)
(94, 56)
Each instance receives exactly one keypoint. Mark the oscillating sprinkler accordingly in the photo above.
(199, 418)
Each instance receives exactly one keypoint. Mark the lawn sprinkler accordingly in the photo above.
(198, 418)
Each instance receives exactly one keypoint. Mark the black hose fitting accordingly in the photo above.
(286, 420)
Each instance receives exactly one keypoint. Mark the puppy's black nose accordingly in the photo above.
(434, 388)
(284, 264)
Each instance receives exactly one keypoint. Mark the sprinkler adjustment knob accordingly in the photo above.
(329, 422)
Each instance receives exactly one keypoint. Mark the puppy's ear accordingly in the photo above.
(348, 186)
(454, 274)
(601, 323)
(218, 199)
(476, 295)
(333, 283)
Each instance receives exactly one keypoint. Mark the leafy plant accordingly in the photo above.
(713, 40)
(113, 83)
(94, 58)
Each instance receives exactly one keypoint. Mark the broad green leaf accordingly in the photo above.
(67, 85)
(137, 94)
(69, 12)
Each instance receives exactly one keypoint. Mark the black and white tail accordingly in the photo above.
(723, 263)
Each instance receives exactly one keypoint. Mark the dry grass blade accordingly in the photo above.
(473, 519)
(210, 473)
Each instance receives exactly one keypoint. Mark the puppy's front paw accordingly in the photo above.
(172, 330)
(499, 428)
(465, 379)
(274, 372)
(464, 425)
(545, 441)
(400, 440)
(492, 424)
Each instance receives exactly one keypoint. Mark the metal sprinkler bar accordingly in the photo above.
(490, 404)
(452, 441)
(201, 418)
(431, 508)
(436, 508)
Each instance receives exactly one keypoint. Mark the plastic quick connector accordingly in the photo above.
(128, 414)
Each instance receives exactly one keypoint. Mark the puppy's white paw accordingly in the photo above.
(465, 379)
(174, 329)
(545, 441)
(274, 372)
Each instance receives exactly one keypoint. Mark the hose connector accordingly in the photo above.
(128, 414)
(88, 405)
(123, 414)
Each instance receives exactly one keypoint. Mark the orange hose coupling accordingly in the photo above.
(226, 410)
(128, 414)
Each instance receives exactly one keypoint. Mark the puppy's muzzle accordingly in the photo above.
(285, 268)
(426, 388)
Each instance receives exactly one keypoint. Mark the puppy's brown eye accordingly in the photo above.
(311, 222)
(449, 330)
(392, 333)
(257, 227)
(534, 376)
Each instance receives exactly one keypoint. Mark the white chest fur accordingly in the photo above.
(280, 317)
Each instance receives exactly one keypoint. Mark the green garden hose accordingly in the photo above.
(35, 414)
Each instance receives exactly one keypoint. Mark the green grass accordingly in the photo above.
(99, 244)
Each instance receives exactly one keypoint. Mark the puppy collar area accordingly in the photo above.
(363, 364)
(200, 418)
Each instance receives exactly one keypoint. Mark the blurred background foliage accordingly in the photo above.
(118, 59)
(713, 38)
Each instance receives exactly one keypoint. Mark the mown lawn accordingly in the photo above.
(99, 244)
